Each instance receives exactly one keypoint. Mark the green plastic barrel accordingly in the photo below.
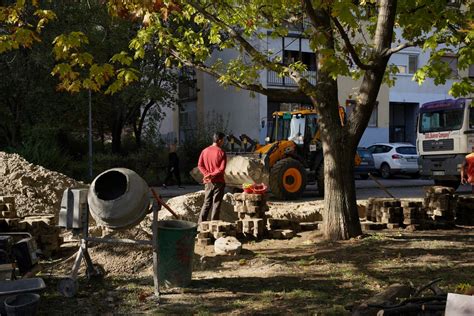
(175, 252)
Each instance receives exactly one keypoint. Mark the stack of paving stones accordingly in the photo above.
(252, 220)
(42, 228)
(383, 213)
(391, 213)
(413, 214)
(465, 210)
(283, 228)
(209, 231)
(440, 205)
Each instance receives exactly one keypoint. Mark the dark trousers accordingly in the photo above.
(213, 194)
(173, 170)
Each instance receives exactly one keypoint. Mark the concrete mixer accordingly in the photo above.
(117, 199)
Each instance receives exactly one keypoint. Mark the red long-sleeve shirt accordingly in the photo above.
(212, 162)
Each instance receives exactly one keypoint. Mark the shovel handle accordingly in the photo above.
(161, 202)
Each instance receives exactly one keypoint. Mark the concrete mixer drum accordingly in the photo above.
(118, 198)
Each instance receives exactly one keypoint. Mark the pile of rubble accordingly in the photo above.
(36, 190)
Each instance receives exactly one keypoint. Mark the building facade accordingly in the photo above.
(203, 101)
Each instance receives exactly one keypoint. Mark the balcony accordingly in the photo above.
(274, 80)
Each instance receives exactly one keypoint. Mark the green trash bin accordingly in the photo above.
(175, 252)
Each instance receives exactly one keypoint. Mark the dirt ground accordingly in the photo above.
(304, 275)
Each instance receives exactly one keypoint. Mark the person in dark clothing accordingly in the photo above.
(212, 163)
(173, 167)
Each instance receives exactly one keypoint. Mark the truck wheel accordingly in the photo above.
(385, 171)
(447, 183)
(288, 179)
(320, 180)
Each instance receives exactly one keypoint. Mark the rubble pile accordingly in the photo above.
(36, 190)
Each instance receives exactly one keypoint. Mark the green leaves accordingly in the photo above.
(18, 28)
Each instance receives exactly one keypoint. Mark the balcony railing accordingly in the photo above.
(274, 80)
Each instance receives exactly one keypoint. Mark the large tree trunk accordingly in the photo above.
(341, 220)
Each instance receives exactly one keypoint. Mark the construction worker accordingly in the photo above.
(467, 170)
(212, 163)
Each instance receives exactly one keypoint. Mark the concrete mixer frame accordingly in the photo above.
(68, 286)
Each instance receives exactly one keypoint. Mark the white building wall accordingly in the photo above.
(408, 90)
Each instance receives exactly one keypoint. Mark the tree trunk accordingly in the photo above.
(341, 219)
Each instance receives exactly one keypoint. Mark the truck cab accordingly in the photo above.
(445, 135)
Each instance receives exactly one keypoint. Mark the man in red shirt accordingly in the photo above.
(467, 170)
(212, 162)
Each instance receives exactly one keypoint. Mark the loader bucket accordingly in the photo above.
(239, 170)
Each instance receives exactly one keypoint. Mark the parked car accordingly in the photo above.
(395, 158)
(366, 164)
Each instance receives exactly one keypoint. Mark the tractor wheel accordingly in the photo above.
(287, 179)
(320, 180)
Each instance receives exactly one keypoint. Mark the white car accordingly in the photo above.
(395, 158)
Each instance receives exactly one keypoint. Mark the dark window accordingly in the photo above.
(364, 153)
(471, 118)
(409, 150)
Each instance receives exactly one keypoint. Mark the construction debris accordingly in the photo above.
(42, 228)
(227, 246)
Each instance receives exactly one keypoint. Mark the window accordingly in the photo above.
(350, 104)
(409, 150)
(412, 64)
(309, 59)
(441, 120)
(471, 118)
(406, 63)
(452, 62)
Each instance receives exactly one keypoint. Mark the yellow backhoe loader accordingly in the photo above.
(291, 159)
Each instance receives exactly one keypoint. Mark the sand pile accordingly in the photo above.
(310, 211)
(188, 207)
(37, 190)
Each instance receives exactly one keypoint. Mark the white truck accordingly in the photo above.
(445, 135)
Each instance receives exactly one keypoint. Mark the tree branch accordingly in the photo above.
(350, 47)
(252, 87)
(401, 47)
(257, 57)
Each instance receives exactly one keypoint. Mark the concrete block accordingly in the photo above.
(204, 226)
(202, 235)
(204, 241)
(305, 226)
